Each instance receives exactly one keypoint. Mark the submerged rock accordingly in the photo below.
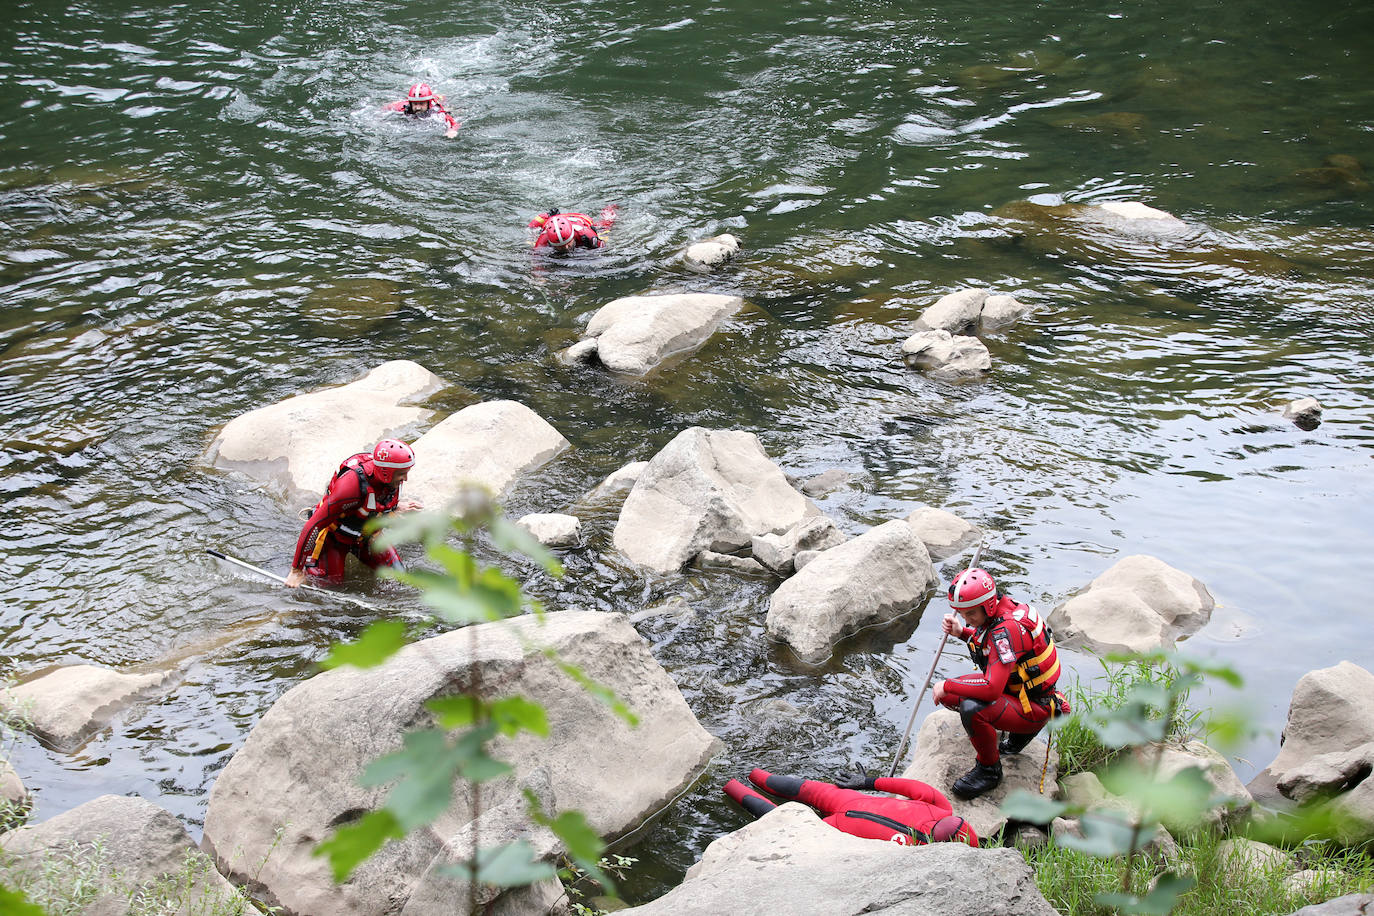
(708, 254)
(66, 704)
(301, 441)
(298, 771)
(617, 483)
(791, 863)
(1306, 413)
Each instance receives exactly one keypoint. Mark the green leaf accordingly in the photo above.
(476, 764)
(353, 843)
(1158, 902)
(1181, 800)
(1031, 808)
(512, 865)
(1105, 834)
(424, 770)
(15, 903)
(515, 714)
(1124, 728)
(413, 528)
(582, 841)
(378, 642)
(458, 711)
(459, 607)
(509, 537)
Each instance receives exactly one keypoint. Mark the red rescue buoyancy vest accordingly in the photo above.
(1036, 662)
(350, 527)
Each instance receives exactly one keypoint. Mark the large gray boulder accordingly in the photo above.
(1138, 605)
(946, 357)
(942, 754)
(879, 575)
(790, 863)
(137, 849)
(1329, 713)
(1349, 905)
(634, 334)
(943, 533)
(64, 705)
(1174, 758)
(706, 490)
(489, 444)
(1342, 780)
(300, 442)
(298, 770)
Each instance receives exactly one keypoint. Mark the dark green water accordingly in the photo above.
(202, 212)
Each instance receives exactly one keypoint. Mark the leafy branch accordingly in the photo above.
(423, 773)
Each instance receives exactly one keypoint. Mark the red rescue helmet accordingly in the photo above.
(953, 829)
(972, 588)
(390, 456)
(561, 231)
(420, 92)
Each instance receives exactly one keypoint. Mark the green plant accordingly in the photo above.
(63, 882)
(1081, 748)
(1073, 881)
(1139, 714)
(15, 717)
(424, 771)
(578, 885)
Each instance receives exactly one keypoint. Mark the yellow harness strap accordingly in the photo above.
(1029, 682)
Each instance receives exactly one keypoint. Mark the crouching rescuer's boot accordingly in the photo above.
(984, 777)
(1014, 743)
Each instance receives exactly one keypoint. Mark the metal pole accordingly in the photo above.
(906, 735)
(896, 761)
(271, 575)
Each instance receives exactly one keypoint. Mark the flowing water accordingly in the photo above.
(203, 211)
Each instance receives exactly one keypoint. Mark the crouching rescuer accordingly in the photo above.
(1014, 692)
(365, 486)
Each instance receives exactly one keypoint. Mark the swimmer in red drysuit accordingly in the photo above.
(924, 816)
(422, 102)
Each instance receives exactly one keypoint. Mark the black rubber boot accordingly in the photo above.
(983, 778)
(786, 786)
(1013, 743)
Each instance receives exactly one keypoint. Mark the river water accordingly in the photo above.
(203, 211)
